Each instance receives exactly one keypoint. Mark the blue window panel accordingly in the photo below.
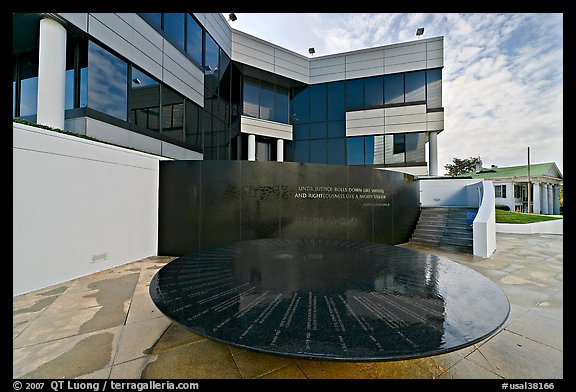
(318, 102)
(318, 130)
(108, 81)
(369, 150)
(399, 143)
(69, 90)
(300, 131)
(354, 94)
(434, 88)
(355, 150)
(318, 151)
(144, 101)
(266, 101)
(415, 86)
(83, 87)
(194, 40)
(174, 28)
(415, 147)
(336, 129)
(153, 18)
(300, 105)
(394, 89)
(251, 102)
(28, 96)
(211, 57)
(336, 101)
(301, 151)
(336, 149)
(281, 100)
(373, 91)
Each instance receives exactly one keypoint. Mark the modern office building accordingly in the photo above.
(189, 86)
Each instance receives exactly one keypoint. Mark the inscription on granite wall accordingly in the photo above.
(204, 203)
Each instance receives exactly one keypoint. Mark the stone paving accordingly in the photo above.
(105, 326)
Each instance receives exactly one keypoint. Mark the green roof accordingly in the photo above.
(536, 170)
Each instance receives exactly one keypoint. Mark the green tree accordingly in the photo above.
(462, 166)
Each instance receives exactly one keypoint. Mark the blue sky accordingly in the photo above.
(502, 77)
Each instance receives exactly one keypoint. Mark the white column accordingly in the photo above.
(251, 147)
(51, 74)
(536, 201)
(550, 200)
(433, 153)
(280, 150)
(544, 198)
(556, 192)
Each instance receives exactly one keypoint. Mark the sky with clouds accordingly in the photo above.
(502, 77)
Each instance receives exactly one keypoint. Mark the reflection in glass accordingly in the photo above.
(266, 101)
(301, 151)
(318, 151)
(174, 28)
(394, 89)
(144, 101)
(369, 150)
(211, 70)
(192, 127)
(281, 104)
(251, 99)
(28, 83)
(336, 149)
(153, 18)
(172, 115)
(194, 40)
(378, 149)
(318, 130)
(354, 94)
(318, 102)
(355, 150)
(415, 86)
(300, 131)
(394, 148)
(336, 101)
(336, 129)
(300, 105)
(108, 80)
(434, 88)
(373, 91)
(415, 143)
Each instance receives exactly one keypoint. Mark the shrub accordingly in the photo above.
(502, 207)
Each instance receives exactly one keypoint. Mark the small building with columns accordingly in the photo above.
(189, 86)
(511, 186)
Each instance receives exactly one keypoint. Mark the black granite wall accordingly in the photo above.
(204, 203)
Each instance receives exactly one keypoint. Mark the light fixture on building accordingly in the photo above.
(419, 31)
(311, 51)
(137, 81)
(232, 17)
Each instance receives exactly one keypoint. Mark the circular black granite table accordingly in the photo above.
(329, 299)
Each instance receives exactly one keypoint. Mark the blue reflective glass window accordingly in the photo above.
(369, 150)
(415, 86)
(336, 129)
(336, 150)
(399, 143)
(28, 84)
(300, 105)
(281, 100)
(251, 101)
(174, 28)
(69, 90)
(172, 115)
(355, 150)
(266, 101)
(318, 102)
(318, 151)
(193, 132)
(301, 151)
(108, 81)
(211, 57)
(415, 147)
(318, 130)
(434, 88)
(83, 87)
(144, 101)
(373, 91)
(336, 101)
(153, 18)
(194, 40)
(300, 131)
(354, 94)
(394, 88)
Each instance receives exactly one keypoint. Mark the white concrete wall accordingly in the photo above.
(78, 207)
(484, 225)
(256, 126)
(458, 192)
(547, 227)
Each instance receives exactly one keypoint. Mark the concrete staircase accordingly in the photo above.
(445, 227)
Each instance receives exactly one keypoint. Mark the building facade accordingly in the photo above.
(511, 185)
(189, 86)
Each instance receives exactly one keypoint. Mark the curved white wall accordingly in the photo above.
(78, 207)
(484, 226)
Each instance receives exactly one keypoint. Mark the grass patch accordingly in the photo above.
(520, 217)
